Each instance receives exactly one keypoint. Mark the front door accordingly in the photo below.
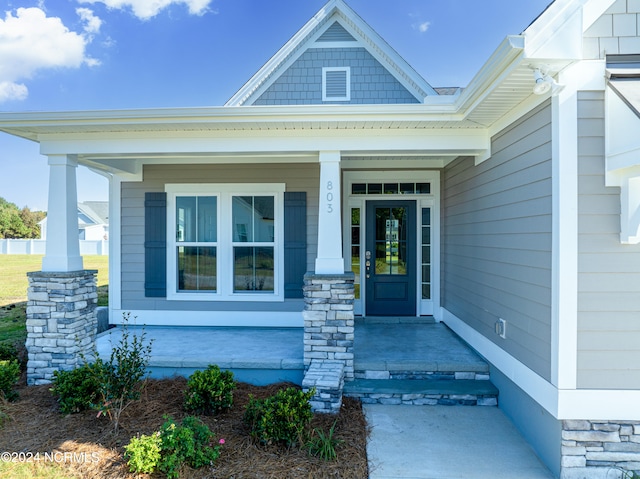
(390, 258)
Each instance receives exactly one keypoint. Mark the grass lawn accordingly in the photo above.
(14, 284)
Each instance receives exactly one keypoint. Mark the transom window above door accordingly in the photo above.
(226, 242)
(390, 188)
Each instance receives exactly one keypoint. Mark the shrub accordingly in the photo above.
(209, 391)
(9, 376)
(9, 352)
(77, 390)
(188, 444)
(121, 377)
(324, 445)
(143, 453)
(282, 418)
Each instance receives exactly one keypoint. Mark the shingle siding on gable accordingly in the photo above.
(614, 32)
(301, 84)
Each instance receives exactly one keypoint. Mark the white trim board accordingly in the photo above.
(563, 404)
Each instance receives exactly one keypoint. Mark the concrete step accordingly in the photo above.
(423, 391)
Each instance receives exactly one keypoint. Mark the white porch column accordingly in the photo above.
(329, 259)
(62, 252)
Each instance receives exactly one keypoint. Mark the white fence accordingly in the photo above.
(37, 246)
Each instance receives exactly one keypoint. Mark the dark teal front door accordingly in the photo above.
(390, 258)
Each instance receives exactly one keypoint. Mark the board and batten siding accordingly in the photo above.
(608, 271)
(496, 244)
(304, 177)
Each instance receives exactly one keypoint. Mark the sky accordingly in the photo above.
(61, 55)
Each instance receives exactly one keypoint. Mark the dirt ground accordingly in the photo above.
(35, 425)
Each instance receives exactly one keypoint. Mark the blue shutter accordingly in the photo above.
(155, 245)
(295, 243)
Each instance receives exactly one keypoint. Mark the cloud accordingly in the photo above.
(422, 27)
(146, 9)
(92, 23)
(12, 91)
(31, 41)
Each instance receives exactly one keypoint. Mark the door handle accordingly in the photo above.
(367, 263)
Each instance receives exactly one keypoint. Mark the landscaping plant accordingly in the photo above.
(172, 447)
(9, 376)
(77, 390)
(324, 445)
(143, 453)
(209, 391)
(281, 418)
(121, 378)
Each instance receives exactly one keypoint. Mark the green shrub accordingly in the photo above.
(121, 378)
(209, 391)
(9, 376)
(77, 390)
(324, 445)
(188, 444)
(9, 352)
(143, 453)
(282, 418)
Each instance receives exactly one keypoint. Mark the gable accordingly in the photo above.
(302, 83)
(335, 38)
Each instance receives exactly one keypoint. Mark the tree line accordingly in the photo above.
(19, 223)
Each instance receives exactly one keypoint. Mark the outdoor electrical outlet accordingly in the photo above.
(501, 328)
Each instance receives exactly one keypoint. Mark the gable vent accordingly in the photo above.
(336, 33)
(336, 84)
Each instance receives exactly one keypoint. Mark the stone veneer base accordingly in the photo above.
(61, 321)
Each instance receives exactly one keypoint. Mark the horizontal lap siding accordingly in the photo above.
(608, 271)
(300, 177)
(496, 244)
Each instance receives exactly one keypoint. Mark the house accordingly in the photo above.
(93, 221)
(509, 210)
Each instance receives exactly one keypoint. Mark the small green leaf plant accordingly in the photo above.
(122, 377)
(143, 453)
(209, 391)
(77, 390)
(324, 445)
(174, 446)
(9, 376)
(282, 418)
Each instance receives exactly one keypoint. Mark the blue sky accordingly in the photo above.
(58, 55)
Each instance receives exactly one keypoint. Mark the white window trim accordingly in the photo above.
(347, 97)
(224, 274)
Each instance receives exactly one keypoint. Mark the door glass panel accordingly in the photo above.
(426, 253)
(391, 241)
(355, 249)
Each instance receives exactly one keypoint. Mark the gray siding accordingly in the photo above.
(301, 178)
(496, 245)
(608, 271)
(301, 83)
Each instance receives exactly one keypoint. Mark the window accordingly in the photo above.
(336, 84)
(226, 242)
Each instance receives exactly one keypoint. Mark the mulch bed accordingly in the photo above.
(36, 425)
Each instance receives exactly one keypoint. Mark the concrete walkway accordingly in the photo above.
(447, 442)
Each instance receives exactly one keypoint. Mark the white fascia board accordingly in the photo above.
(557, 32)
(438, 141)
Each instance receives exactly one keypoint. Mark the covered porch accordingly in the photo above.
(392, 357)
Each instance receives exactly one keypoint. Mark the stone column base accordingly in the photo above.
(61, 321)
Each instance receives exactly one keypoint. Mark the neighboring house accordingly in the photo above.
(93, 221)
(487, 204)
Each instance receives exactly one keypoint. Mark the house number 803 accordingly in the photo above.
(329, 197)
